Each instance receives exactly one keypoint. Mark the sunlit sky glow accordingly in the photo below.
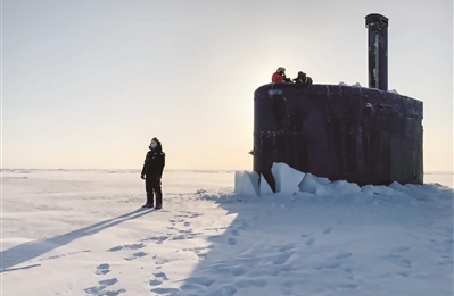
(86, 84)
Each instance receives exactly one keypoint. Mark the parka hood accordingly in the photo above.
(158, 146)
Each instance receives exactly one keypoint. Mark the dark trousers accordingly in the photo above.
(153, 187)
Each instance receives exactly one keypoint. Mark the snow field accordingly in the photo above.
(82, 233)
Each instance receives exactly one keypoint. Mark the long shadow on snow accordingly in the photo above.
(234, 261)
(255, 253)
(28, 251)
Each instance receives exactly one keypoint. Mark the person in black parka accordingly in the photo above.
(303, 79)
(152, 170)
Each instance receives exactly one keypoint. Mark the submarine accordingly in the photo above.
(364, 135)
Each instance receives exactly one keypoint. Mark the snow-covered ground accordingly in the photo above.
(83, 233)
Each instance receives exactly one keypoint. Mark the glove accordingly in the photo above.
(142, 177)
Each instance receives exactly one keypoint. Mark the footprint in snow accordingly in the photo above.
(239, 271)
(154, 283)
(310, 242)
(341, 256)
(201, 252)
(403, 249)
(403, 273)
(397, 259)
(101, 288)
(160, 275)
(191, 215)
(201, 281)
(286, 248)
(185, 231)
(102, 269)
(232, 241)
(235, 232)
(160, 278)
(327, 230)
(136, 256)
(165, 291)
(282, 258)
(158, 239)
(127, 247)
(108, 282)
(307, 234)
(180, 216)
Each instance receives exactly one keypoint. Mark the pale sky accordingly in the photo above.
(87, 84)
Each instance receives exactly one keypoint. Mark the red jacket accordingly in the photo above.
(277, 77)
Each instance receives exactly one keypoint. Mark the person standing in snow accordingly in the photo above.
(152, 170)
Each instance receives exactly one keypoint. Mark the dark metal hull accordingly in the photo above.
(362, 135)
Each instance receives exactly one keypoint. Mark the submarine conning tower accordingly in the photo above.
(378, 50)
(367, 136)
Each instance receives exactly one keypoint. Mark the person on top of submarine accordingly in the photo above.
(302, 79)
(279, 76)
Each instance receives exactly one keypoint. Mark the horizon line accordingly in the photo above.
(196, 170)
